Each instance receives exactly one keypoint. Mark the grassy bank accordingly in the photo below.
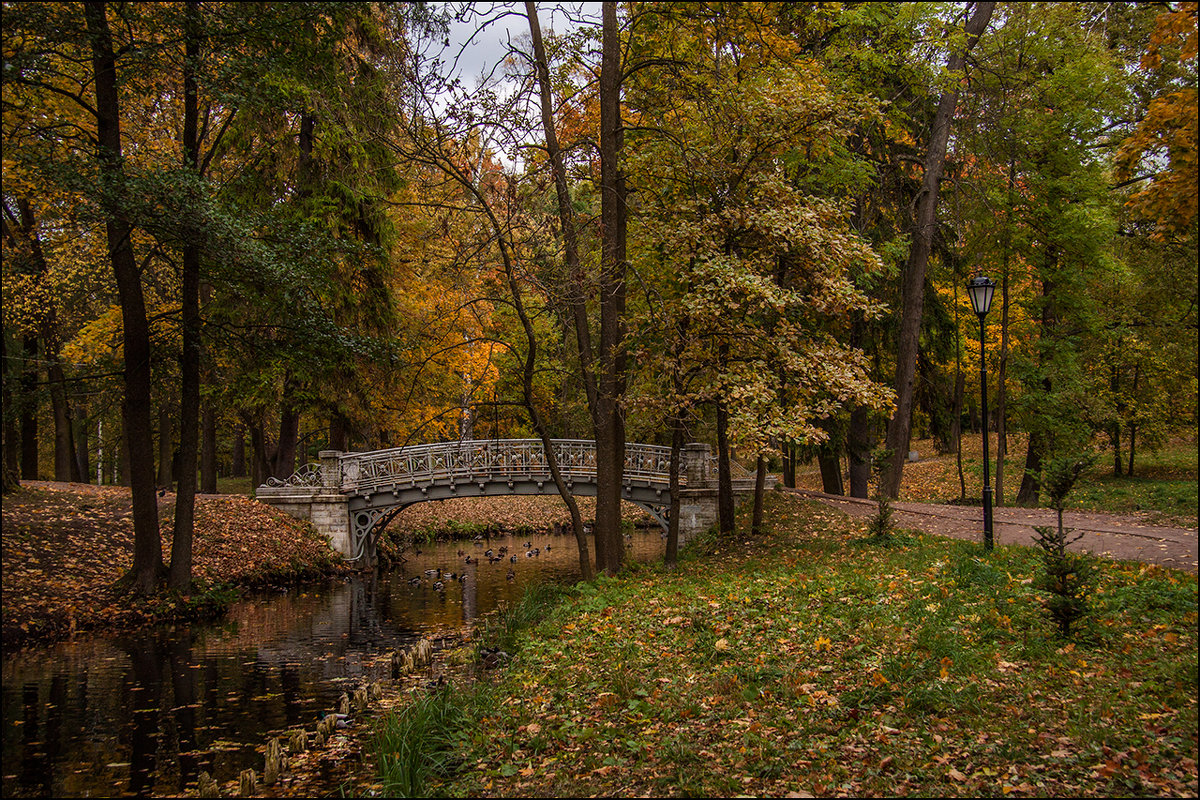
(807, 661)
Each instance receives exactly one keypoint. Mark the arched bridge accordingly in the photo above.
(352, 496)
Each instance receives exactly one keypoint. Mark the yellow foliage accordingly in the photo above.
(1167, 134)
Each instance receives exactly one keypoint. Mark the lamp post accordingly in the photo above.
(980, 289)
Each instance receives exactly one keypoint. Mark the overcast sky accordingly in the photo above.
(483, 37)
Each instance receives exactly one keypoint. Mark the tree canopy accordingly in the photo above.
(292, 227)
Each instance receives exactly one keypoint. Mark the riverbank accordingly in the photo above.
(66, 544)
(809, 661)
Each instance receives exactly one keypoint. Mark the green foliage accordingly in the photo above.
(1067, 577)
(418, 743)
(1059, 474)
(880, 528)
(503, 630)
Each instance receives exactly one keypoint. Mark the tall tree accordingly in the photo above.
(189, 362)
(913, 278)
(611, 359)
(147, 566)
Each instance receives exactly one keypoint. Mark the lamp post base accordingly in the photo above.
(988, 539)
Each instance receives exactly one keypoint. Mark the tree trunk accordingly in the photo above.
(760, 486)
(671, 557)
(1114, 431)
(80, 439)
(147, 567)
(29, 400)
(789, 464)
(600, 378)
(1031, 484)
(283, 459)
(725, 509)
(860, 437)
(260, 465)
(66, 468)
(913, 279)
(1132, 427)
(1132, 449)
(121, 467)
(238, 458)
(610, 384)
(1030, 489)
(1002, 390)
(189, 362)
(10, 469)
(208, 450)
(959, 385)
(859, 443)
(831, 471)
(29, 409)
(339, 437)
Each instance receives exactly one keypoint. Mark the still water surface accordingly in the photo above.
(142, 713)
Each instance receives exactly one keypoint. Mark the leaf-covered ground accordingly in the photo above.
(65, 545)
(808, 662)
(513, 514)
(1163, 488)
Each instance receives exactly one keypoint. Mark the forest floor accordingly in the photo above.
(66, 545)
(1162, 490)
(812, 661)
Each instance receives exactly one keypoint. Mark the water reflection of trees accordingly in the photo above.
(143, 712)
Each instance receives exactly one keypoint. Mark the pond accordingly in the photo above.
(142, 713)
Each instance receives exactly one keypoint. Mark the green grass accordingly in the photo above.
(243, 486)
(1163, 487)
(806, 660)
(418, 743)
(1163, 484)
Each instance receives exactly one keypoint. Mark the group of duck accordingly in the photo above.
(441, 577)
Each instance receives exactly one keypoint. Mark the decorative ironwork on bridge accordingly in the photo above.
(371, 488)
(490, 460)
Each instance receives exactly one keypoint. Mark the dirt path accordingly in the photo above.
(1117, 537)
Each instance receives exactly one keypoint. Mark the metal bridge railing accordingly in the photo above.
(487, 460)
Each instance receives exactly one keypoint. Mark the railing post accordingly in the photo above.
(696, 456)
(331, 469)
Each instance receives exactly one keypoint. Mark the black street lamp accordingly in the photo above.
(980, 290)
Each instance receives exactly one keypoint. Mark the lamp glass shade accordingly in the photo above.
(980, 291)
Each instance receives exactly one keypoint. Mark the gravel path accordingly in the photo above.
(1118, 537)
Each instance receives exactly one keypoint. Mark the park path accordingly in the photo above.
(1108, 535)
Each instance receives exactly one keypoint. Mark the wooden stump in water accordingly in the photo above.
(274, 763)
(247, 783)
(206, 786)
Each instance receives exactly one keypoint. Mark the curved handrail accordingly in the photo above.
(488, 460)
(494, 459)
(308, 475)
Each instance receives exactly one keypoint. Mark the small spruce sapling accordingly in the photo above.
(1067, 575)
(881, 525)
